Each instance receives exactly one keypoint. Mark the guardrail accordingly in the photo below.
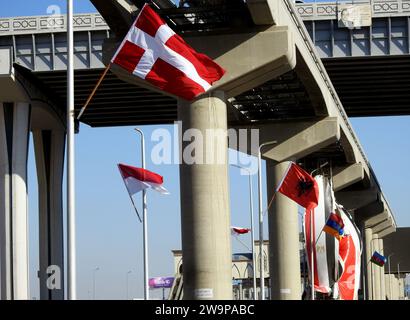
(328, 10)
(311, 48)
(50, 24)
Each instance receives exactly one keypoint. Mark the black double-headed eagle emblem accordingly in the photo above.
(304, 186)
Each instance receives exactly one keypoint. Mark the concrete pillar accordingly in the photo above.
(401, 288)
(49, 153)
(382, 272)
(368, 236)
(284, 255)
(14, 138)
(205, 212)
(396, 287)
(376, 271)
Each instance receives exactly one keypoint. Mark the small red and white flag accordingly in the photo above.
(238, 230)
(152, 51)
(138, 179)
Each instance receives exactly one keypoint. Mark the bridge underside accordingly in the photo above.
(367, 86)
(372, 86)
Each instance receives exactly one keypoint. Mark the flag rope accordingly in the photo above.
(240, 241)
(132, 200)
(94, 90)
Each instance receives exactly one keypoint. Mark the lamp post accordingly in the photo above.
(252, 228)
(261, 271)
(390, 288)
(94, 271)
(126, 282)
(71, 245)
(144, 220)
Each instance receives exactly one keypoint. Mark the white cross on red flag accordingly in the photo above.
(152, 51)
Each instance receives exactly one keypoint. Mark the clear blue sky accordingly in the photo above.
(108, 232)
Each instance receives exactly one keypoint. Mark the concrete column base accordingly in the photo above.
(14, 138)
(205, 214)
(49, 152)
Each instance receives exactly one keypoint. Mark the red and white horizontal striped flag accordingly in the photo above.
(138, 179)
(238, 230)
(153, 52)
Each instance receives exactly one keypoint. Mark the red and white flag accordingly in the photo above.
(321, 247)
(152, 51)
(138, 179)
(238, 230)
(350, 251)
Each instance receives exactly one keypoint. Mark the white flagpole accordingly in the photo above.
(71, 248)
(252, 228)
(261, 264)
(312, 248)
(252, 236)
(144, 221)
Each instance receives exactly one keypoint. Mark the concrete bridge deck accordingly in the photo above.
(282, 88)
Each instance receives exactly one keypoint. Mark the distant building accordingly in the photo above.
(242, 271)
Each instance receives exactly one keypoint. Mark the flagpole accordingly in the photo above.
(144, 221)
(132, 200)
(312, 260)
(261, 271)
(92, 94)
(252, 229)
(71, 246)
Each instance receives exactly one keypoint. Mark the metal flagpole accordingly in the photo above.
(132, 199)
(71, 258)
(252, 236)
(252, 229)
(261, 264)
(312, 260)
(144, 221)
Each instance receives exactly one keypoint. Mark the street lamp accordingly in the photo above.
(94, 271)
(261, 273)
(390, 288)
(144, 220)
(126, 282)
(252, 227)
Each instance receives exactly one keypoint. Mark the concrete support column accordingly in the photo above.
(382, 272)
(401, 288)
(14, 138)
(396, 287)
(284, 257)
(376, 271)
(205, 212)
(368, 236)
(49, 152)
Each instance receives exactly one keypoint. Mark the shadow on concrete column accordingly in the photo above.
(284, 254)
(49, 151)
(205, 213)
(14, 138)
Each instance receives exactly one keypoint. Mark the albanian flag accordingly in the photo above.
(299, 186)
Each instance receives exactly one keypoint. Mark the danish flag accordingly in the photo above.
(152, 51)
